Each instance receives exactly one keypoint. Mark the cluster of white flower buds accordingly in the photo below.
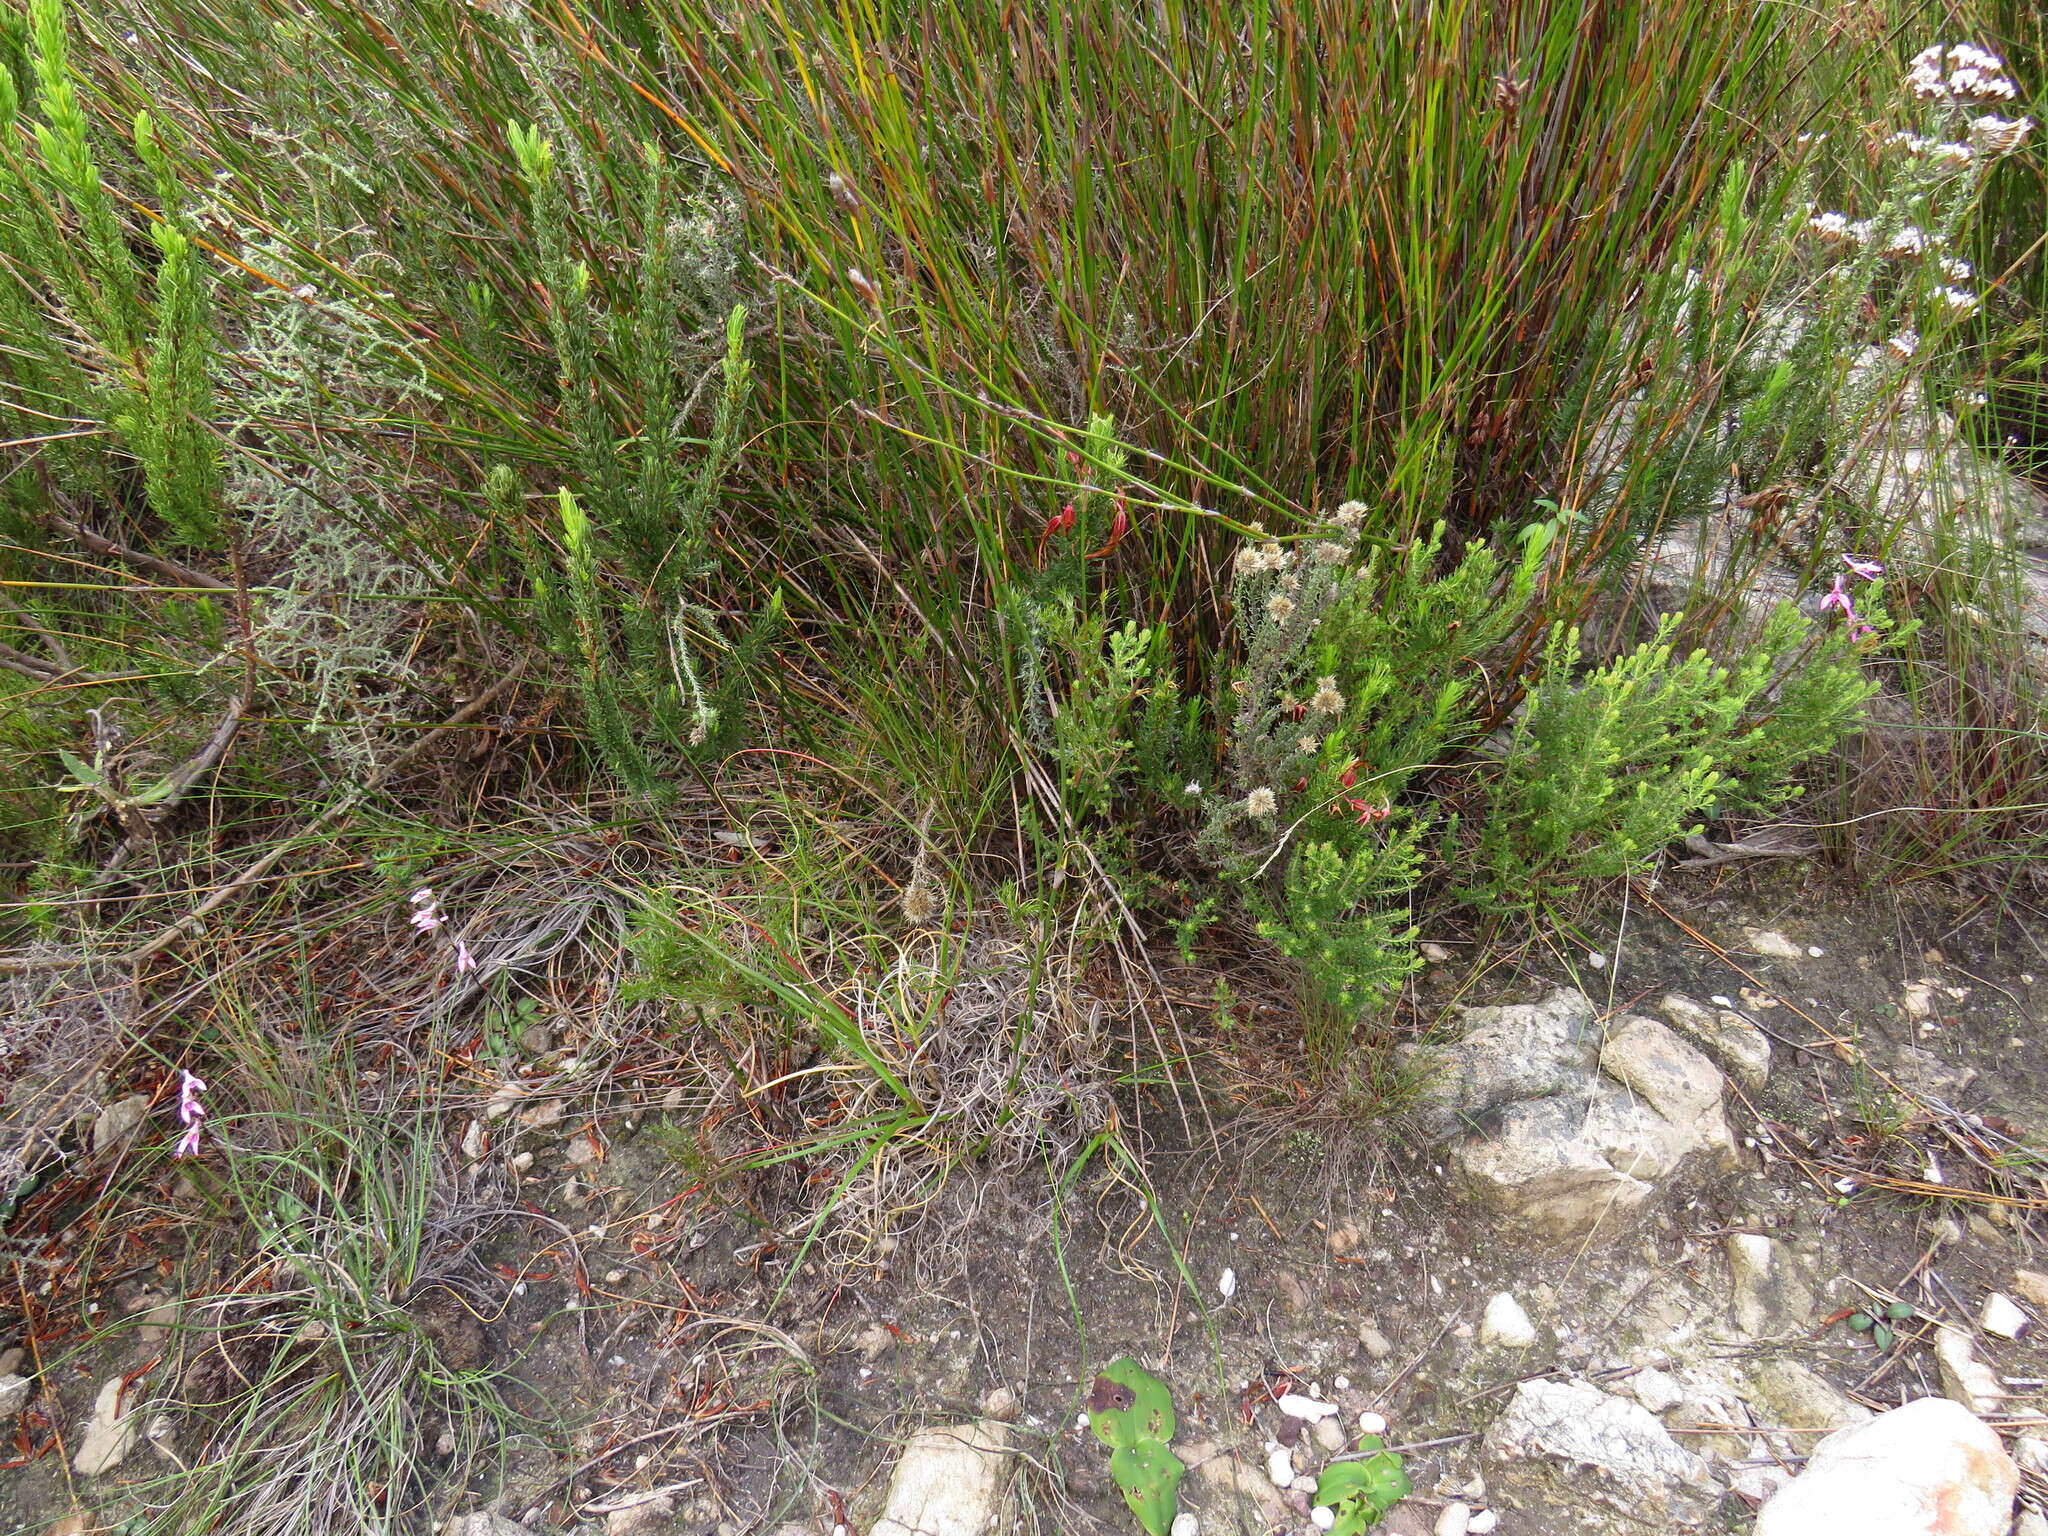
(1257, 559)
(1998, 136)
(1962, 73)
(1943, 152)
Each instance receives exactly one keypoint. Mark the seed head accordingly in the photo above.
(1261, 802)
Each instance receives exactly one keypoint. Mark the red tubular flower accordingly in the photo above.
(1118, 527)
(1060, 522)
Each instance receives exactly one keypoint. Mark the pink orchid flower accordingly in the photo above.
(426, 917)
(191, 1113)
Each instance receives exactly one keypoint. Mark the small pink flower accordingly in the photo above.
(464, 960)
(1869, 570)
(191, 1113)
(1839, 598)
(426, 917)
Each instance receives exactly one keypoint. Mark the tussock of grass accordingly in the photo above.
(751, 506)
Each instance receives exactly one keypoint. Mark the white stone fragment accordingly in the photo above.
(1297, 1406)
(2002, 1316)
(1506, 1325)
(1280, 1466)
(110, 1433)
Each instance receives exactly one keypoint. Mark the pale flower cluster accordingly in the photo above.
(1964, 72)
(1943, 151)
(1952, 76)
(1996, 136)
(1257, 559)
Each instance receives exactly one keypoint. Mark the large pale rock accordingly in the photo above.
(109, 1434)
(1567, 1166)
(117, 1124)
(1786, 1395)
(953, 1481)
(1771, 1296)
(1931, 1468)
(1602, 1448)
(1742, 1049)
(1511, 1054)
(1675, 1080)
(1563, 1134)
(1965, 1379)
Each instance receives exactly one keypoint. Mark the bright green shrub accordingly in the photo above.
(1601, 771)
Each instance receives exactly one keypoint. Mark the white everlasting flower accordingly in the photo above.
(1308, 745)
(1964, 72)
(1194, 788)
(1328, 553)
(1279, 607)
(1832, 228)
(1256, 559)
(1906, 240)
(1903, 345)
(1327, 700)
(1959, 301)
(1999, 136)
(1261, 802)
(1350, 514)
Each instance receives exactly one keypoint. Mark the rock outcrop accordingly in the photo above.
(1562, 1127)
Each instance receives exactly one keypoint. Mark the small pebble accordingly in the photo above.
(1226, 1286)
(1596, 960)
(1185, 1524)
(1370, 1423)
(1721, 1002)
(1455, 1520)
(1280, 1466)
(1815, 951)
(1506, 1325)
(1342, 1383)
(1482, 1522)
(1322, 1517)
